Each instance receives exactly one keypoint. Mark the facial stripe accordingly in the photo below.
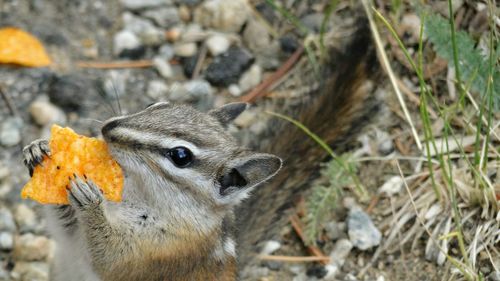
(141, 138)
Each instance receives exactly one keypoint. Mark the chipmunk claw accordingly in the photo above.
(34, 152)
(84, 194)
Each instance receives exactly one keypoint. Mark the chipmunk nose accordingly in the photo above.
(108, 127)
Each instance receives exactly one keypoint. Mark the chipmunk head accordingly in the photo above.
(189, 152)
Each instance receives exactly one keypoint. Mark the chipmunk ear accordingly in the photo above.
(227, 113)
(245, 172)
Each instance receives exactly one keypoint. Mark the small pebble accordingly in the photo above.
(362, 232)
(6, 241)
(251, 78)
(217, 44)
(125, 42)
(146, 31)
(340, 252)
(223, 15)
(25, 218)
(7, 220)
(234, 90)
(185, 49)
(4, 171)
(227, 68)
(32, 271)
(256, 36)
(270, 247)
(163, 67)
(10, 131)
(29, 247)
(45, 113)
(166, 51)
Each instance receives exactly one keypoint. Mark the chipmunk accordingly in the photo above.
(187, 182)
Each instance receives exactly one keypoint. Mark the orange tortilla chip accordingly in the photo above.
(71, 153)
(22, 48)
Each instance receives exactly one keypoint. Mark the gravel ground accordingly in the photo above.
(237, 51)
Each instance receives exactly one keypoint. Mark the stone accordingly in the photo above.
(185, 49)
(32, 271)
(289, 44)
(340, 252)
(6, 241)
(4, 171)
(70, 92)
(7, 220)
(166, 51)
(25, 218)
(256, 36)
(223, 15)
(234, 90)
(217, 44)
(125, 43)
(144, 4)
(362, 232)
(227, 68)
(198, 88)
(29, 247)
(270, 247)
(163, 67)
(45, 113)
(10, 131)
(165, 17)
(410, 25)
(195, 91)
(494, 276)
(145, 30)
(317, 271)
(157, 89)
(251, 78)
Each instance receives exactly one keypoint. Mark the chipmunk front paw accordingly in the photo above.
(84, 194)
(33, 154)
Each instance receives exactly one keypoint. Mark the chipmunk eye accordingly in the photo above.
(181, 156)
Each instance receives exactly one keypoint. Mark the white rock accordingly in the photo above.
(25, 218)
(125, 40)
(157, 89)
(4, 171)
(256, 36)
(185, 49)
(163, 67)
(198, 88)
(340, 252)
(29, 247)
(270, 247)
(45, 113)
(144, 4)
(251, 78)
(7, 220)
(234, 90)
(392, 187)
(32, 271)
(362, 232)
(217, 44)
(149, 34)
(224, 15)
(166, 52)
(6, 241)
(10, 131)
